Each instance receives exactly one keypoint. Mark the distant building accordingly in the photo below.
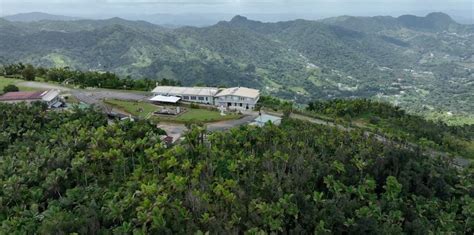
(241, 98)
(265, 118)
(204, 95)
(51, 97)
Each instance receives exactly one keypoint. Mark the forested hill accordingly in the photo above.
(37, 16)
(433, 22)
(72, 172)
(421, 63)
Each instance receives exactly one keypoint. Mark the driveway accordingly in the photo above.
(41, 85)
(173, 130)
(226, 125)
(92, 96)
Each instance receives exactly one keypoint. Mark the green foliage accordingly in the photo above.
(274, 103)
(10, 88)
(399, 124)
(86, 79)
(421, 63)
(28, 73)
(71, 172)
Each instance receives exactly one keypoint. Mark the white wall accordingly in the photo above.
(237, 102)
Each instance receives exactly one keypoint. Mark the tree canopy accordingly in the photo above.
(73, 172)
(10, 88)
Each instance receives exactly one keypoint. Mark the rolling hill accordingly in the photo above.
(421, 63)
(38, 16)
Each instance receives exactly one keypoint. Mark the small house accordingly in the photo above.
(50, 97)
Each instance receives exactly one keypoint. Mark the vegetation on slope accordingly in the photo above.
(396, 123)
(421, 63)
(83, 79)
(71, 172)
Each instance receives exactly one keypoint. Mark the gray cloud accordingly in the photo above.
(315, 8)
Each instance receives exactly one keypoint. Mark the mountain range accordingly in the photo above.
(424, 64)
(38, 16)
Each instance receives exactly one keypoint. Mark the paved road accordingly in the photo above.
(226, 125)
(41, 85)
(173, 130)
(176, 130)
(90, 96)
(95, 97)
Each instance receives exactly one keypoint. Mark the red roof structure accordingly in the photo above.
(22, 95)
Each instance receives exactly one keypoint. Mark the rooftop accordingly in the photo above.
(22, 95)
(190, 91)
(50, 95)
(165, 99)
(30, 95)
(240, 91)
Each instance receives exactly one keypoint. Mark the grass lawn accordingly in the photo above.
(7, 81)
(139, 109)
(145, 110)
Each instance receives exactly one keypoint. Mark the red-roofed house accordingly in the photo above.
(51, 97)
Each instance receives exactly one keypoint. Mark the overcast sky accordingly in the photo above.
(321, 8)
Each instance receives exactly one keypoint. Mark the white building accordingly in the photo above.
(240, 98)
(204, 95)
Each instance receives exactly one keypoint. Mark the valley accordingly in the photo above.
(424, 64)
(344, 125)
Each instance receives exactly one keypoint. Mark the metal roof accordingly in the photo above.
(50, 95)
(30, 95)
(188, 91)
(165, 99)
(22, 95)
(239, 91)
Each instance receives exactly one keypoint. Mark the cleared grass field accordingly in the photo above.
(139, 109)
(7, 81)
(145, 110)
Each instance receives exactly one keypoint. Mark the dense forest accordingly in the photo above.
(72, 172)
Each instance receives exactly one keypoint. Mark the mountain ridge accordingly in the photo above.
(38, 16)
(298, 60)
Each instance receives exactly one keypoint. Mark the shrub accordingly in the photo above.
(10, 88)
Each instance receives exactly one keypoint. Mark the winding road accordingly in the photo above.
(95, 96)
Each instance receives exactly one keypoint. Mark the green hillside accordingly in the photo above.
(424, 64)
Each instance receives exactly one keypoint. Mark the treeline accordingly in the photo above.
(83, 78)
(71, 172)
(393, 120)
(354, 107)
(274, 103)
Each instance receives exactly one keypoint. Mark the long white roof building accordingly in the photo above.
(232, 98)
